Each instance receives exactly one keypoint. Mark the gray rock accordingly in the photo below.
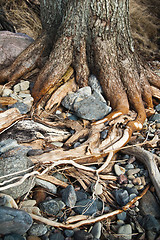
(158, 107)
(69, 196)
(47, 185)
(149, 205)
(14, 221)
(12, 161)
(150, 223)
(7, 145)
(96, 230)
(90, 108)
(155, 117)
(81, 195)
(22, 107)
(81, 234)
(50, 207)
(56, 236)
(86, 207)
(13, 236)
(38, 229)
(11, 45)
(122, 196)
(68, 233)
(94, 84)
(122, 216)
(125, 231)
(60, 176)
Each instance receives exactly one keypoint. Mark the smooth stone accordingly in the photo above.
(61, 204)
(12, 161)
(56, 236)
(77, 144)
(28, 203)
(81, 195)
(57, 144)
(22, 107)
(47, 185)
(122, 216)
(130, 185)
(97, 188)
(100, 98)
(60, 177)
(122, 179)
(86, 207)
(94, 84)
(7, 92)
(137, 181)
(16, 88)
(38, 229)
(13, 236)
(24, 95)
(132, 190)
(82, 235)
(122, 196)
(119, 170)
(139, 187)
(96, 230)
(50, 207)
(158, 107)
(15, 96)
(68, 233)
(120, 222)
(125, 231)
(133, 171)
(7, 145)
(129, 166)
(155, 117)
(150, 223)
(24, 85)
(132, 196)
(11, 45)
(90, 108)
(14, 221)
(104, 134)
(69, 196)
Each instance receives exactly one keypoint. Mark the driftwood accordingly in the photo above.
(150, 161)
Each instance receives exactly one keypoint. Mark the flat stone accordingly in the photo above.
(56, 236)
(119, 170)
(11, 45)
(122, 196)
(12, 161)
(13, 236)
(81, 234)
(38, 229)
(14, 221)
(50, 207)
(125, 231)
(22, 107)
(149, 205)
(69, 196)
(133, 171)
(96, 230)
(47, 185)
(86, 207)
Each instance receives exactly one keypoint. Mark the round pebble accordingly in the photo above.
(96, 230)
(122, 216)
(137, 181)
(125, 231)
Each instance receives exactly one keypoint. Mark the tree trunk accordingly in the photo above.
(94, 37)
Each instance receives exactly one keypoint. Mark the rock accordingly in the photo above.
(97, 188)
(132, 190)
(96, 230)
(22, 107)
(150, 223)
(155, 117)
(125, 231)
(86, 207)
(13, 236)
(60, 177)
(149, 205)
(6, 92)
(56, 236)
(104, 134)
(91, 108)
(68, 233)
(8, 144)
(133, 171)
(81, 234)
(122, 216)
(122, 179)
(132, 196)
(119, 170)
(17, 88)
(12, 161)
(28, 203)
(129, 166)
(69, 196)
(47, 185)
(24, 85)
(81, 195)
(38, 229)
(137, 181)
(14, 221)
(158, 107)
(122, 196)
(11, 45)
(33, 238)
(50, 207)
(94, 84)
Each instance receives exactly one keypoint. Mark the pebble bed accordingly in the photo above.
(141, 221)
